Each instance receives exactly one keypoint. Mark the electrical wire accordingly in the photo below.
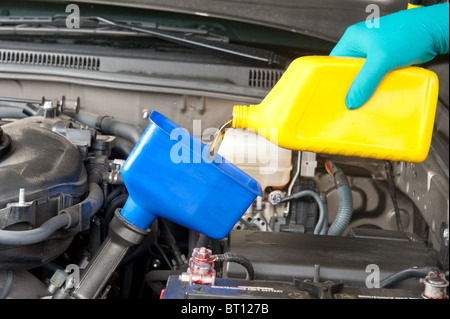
(328, 167)
(345, 210)
(331, 168)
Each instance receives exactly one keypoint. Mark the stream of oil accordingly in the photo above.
(218, 138)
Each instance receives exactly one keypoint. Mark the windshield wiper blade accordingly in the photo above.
(192, 38)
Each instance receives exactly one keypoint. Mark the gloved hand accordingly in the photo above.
(403, 38)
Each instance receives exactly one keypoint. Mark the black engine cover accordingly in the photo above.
(40, 161)
(51, 171)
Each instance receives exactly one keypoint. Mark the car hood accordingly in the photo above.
(325, 19)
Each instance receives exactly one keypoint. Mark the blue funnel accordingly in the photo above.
(168, 174)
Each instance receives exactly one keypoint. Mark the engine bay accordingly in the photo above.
(61, 158)
(73, 109)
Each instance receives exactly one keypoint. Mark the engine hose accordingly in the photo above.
(109, 125)
(95, 198)
(413, 272)
(241, 260)
(117, 202)
(324, 228)
(323, 210)
(203, 241)
(66, 218)
(208, 242)
(32, 236)
(122, 148)
(345, 210)
(91, 205)
(172, 243)
(128, 131)
(114, 193)
(8, 284)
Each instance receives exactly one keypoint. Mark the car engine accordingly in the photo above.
(61, 184)
(74, 106)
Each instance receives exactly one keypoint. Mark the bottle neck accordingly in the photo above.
(241, 116)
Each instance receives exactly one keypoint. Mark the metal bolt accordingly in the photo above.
(145, 114)
(22, 196)
(156, 263)
(275, 197)
(316, 273)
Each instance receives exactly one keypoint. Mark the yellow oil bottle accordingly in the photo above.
(306, 111)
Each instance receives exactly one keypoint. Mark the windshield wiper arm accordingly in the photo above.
(88, 24)
(192, 38)
(228, 49)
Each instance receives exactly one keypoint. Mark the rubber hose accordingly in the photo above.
(322, 207)
(414, 272)
(128, 131)
(208, 242)
(241, 260)
(110, 126)
(345, 209)
(89, 119)
(96, 172)
(344, 213)
(32, 236)
(95, 199)
(95, 236)
(172, 243)
(111, 196)
(123, 147)
(203, 241)
(8, 284)
(324, 228)
(67, 217)
(117, 202)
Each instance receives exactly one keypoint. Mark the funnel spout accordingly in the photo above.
(136, 215)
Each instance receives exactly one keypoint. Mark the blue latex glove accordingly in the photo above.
(404, 38)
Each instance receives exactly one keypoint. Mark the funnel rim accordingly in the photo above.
(224, 166)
